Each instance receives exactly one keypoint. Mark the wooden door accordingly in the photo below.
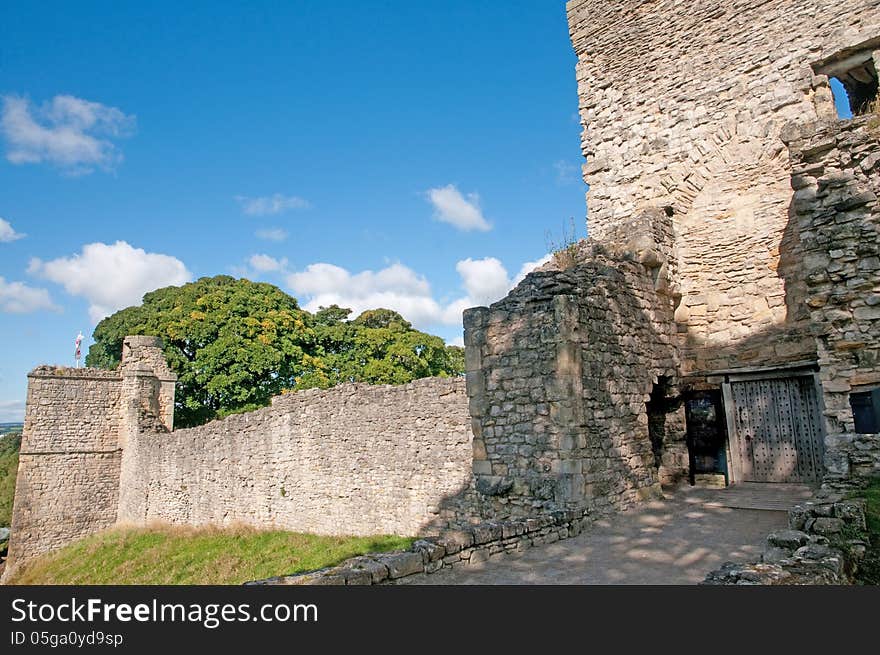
(778, 430)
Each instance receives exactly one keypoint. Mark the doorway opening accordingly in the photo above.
(707, 437)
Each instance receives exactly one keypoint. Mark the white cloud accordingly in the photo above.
(69, 132)
(566, 172)
(528, 267)
(7, 234)
(111, 277)
(269, 205)
(11, 411)
(267, 264)
(320, 279)
(452, 312)
(395, 287)
(485, 280)
(400, 288)
(272, 234)
(453, 208)
(19, 298)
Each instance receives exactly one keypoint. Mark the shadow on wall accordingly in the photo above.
(786, 341)
(561, 372)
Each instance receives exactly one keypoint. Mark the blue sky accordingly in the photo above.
(403, 154)
(841, 100)
(399, 154)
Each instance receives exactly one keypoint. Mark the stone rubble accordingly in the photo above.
(826, 540)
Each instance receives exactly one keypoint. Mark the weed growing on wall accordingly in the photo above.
(564, 250)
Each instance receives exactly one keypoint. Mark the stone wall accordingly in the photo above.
(97, 450)
(145, 354)
(682, 107)
(355, 459)
(836, 177)
(68, 472)
(78, 422)
(559, 376)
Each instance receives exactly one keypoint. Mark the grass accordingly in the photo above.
(9, 447)
(164, 554)
(869, 568)
(565, 251)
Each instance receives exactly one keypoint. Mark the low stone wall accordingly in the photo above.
(826, 540)
(356, 459)
(452, 548)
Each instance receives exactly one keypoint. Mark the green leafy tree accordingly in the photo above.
(10, 444)
(379, 347)
(233, 343)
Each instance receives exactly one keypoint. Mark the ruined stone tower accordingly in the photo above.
(74, 450)
(721, 322)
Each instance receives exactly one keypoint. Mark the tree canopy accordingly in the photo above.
(379, 347)
(234, 344)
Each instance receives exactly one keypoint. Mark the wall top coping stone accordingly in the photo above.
(142, 341)
(359, 387)
(544, 283)
(62, 372)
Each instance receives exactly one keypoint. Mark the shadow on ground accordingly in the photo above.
(673, 541)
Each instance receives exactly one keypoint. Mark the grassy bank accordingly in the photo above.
(176, 555)
(869, 569)
(9, 447)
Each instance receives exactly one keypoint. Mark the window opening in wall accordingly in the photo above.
(866, 411)
(860, 83)
(853, 80)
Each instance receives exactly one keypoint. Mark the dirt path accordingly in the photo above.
(675, 541)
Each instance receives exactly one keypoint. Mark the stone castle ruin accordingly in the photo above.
(721, 324)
